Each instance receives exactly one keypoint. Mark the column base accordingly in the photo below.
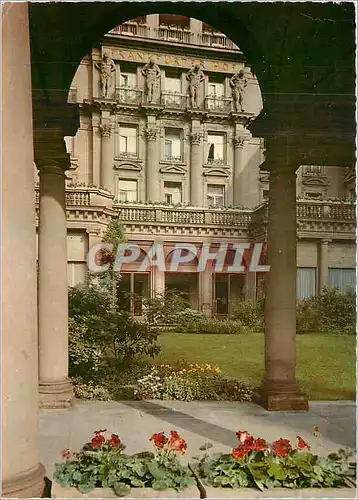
(27, 484)
(56, 395)
(280, 396)
(207, 309)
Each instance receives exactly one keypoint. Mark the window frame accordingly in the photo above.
(215, 196)
(119, 182)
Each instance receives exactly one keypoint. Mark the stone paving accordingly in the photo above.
(197, 422)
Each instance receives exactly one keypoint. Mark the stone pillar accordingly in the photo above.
(323, 265)
(206, 291)
(106, 157)
(158, 281)
(250, 286)
(196, 167)
(55, 388)
(238, 181)
(279, 390)
(152, 179)
(22, 474)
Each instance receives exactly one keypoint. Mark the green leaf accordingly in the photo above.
(121, 489)
(277, 472)
(86, 487)
(157, 472)
(137, 483)
(160, 485)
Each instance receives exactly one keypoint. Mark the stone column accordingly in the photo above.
(55, 388)
(196, 167)
(323, 265)
(279, 390)
(22, 474)
(152, 179)
(250, 286)
(158, 281)
(106, 157)
(239, 186)
(206, 291)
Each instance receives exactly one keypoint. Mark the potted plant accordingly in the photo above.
(256, 465)
(101, 469)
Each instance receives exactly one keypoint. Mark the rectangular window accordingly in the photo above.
(172, 192)
(128, 141)
(128, 80)
(216, 195)
(128, 190)
(173, 147)
(216, 89)
(343, 279)
(215, 149)
(306, 282)
(172, 84)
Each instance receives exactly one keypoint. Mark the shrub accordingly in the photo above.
(255, 463)
(307, 317)
(91, 390)
(337, 311)
(88, 299)
(163, 308)
(190, 382)
(249, 313)
(216, 326)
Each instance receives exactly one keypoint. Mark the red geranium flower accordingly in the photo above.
(240, 452)
(98, 440)
(301, 443)
(177, 443)
(114, 441)
(159, 439)
(260, 445)
(282, 447)
(242, 436)
(66, 454)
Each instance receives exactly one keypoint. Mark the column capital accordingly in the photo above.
(326, 241)
(195, 138)
(151, 133)
(105, 130)
(51, 166)
(239, 141)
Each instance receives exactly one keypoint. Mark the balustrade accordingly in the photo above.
(127, 95)
(216, 103)
(131, 29)
(173, 34)
(174, 100)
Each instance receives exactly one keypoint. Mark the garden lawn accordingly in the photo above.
(325, 362)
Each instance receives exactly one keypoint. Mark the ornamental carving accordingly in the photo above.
(239, 142)
(238, 85)
(106, 66)
(151, 134)
(194, 77)
(151, 73)
(105, 130)
(195, 138)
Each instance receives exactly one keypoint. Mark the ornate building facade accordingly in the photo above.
(163, 146)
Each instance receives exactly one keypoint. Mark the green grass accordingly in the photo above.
(325, 362)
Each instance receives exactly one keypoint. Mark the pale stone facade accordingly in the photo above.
(173, 173)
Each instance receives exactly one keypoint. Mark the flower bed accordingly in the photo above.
(190, 382)
(256, 464)
(101, 465)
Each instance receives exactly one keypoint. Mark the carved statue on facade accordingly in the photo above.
(195, 76)
(238, 85)
(106, 66)
(151, 73)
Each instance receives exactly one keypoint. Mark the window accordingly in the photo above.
(127, 190)
(216, 195)
(172, 84)
(306, 282)
(128, 80)
(172, 192)
(172, 150)
(128, 141)
(343, 279)
(215, 149)
(216, 89)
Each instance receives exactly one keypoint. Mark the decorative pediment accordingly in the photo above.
(218, 172)
(315, 181)
(173, 169)
(126, 165)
